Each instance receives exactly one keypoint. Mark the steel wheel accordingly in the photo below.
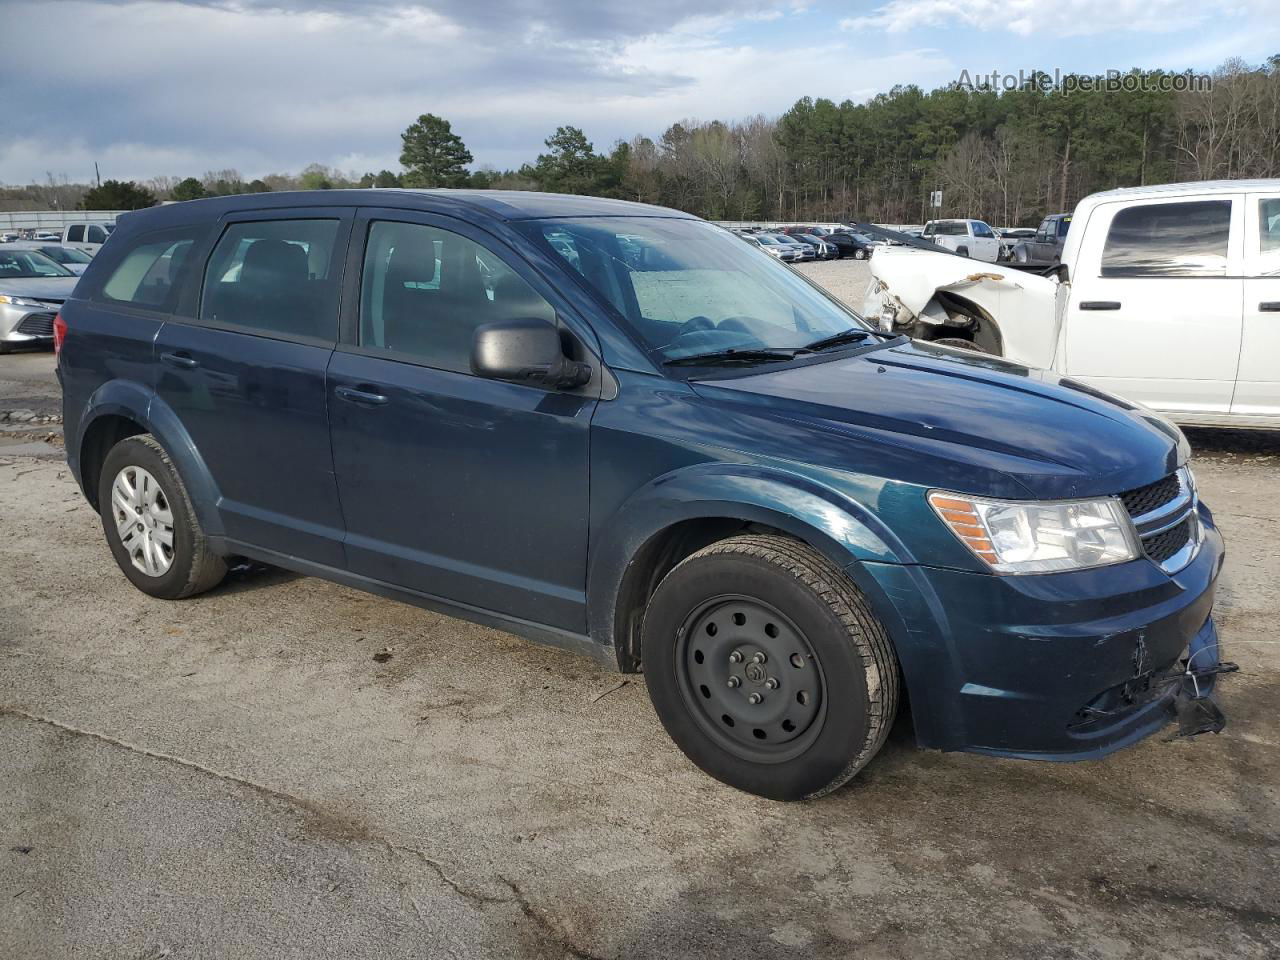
(751, 678)
(143, 520)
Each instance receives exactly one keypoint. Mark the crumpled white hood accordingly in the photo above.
(912, 276)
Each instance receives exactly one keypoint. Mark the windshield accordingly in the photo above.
(686, 287)
(24, 264)
(65, 254)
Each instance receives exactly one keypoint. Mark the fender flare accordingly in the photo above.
(129, 399)
(843, 530)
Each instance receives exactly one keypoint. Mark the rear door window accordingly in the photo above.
(75, 234)
(274, 277)
(1187, 239)
(1269, 226)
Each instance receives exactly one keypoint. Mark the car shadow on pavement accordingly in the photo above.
(1207, 441)
(247, 575)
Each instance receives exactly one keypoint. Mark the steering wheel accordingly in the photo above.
(694, 324)
(740, 323)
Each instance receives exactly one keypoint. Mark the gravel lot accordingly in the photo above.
(287, 768)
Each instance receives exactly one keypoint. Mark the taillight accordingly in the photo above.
(59, 333)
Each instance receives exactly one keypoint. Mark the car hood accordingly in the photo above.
(39, 288)
(1012, 430)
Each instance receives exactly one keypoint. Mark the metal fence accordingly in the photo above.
(54, 220)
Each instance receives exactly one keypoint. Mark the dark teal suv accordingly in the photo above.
(620, 429)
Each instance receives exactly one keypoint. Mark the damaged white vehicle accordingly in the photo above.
(1167, 295)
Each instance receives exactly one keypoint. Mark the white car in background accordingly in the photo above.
(969, 238)
(1166, 295)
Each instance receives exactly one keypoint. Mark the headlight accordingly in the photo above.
(19, 301)
(1021, 537)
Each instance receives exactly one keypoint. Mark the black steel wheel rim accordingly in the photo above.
(751, 678)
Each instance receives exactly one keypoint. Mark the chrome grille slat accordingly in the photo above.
(1164, 516)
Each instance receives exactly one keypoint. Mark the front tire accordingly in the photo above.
(768, 668)
(860, 254)
(150, 525)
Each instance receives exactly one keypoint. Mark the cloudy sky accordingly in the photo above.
(178, 88)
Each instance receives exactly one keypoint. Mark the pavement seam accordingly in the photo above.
(517, 899)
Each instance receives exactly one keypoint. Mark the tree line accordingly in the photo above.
(1006, 156)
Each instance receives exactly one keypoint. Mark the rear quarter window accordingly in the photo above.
(152, 271)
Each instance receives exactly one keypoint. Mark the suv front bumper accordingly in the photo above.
(1068, 666)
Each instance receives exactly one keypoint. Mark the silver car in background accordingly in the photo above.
(32, 290)
(69, 257)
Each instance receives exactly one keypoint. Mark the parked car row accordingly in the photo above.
(87, 236)
(824, 243)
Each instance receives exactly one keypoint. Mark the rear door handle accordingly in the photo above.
(1270, 306)
(1100, 305)
(355, 395)
(180, 360)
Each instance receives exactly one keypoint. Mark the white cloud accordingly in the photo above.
(198, 87)
(1061, 18)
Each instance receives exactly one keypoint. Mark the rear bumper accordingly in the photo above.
(1054, 667)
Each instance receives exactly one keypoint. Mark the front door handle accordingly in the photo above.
(1270, 306)
(1100, 305)
(356, 395)
(180, 360)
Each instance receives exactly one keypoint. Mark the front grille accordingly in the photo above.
(1163, 546)
(36, 325)
(1151, 497)
(1164, 514)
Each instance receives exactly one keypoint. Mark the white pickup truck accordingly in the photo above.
(1167, 295)
(88, 237)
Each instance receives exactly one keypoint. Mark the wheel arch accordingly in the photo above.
(119, 410)
(675, 516)
(983, 329)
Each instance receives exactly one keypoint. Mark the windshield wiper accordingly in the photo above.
(721, 357)
(852, 335)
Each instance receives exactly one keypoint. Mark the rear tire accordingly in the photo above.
(150, 525)
(768, 668)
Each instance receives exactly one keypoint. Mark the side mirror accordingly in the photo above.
(525, 350)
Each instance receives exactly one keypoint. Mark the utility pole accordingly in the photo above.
(96, 175)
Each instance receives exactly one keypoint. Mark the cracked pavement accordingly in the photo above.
(237, 776)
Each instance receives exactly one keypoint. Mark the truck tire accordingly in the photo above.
(768, 668)
(150, 525)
